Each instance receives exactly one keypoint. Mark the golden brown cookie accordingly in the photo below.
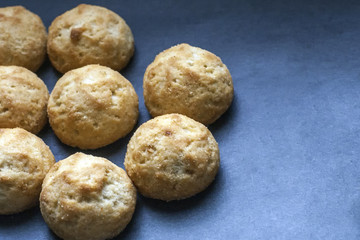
(92, 106)
(22, 38)
(188, 80)
(23, 99)
(87, 197)
(89, 34)
(24, 161)
(172, 157)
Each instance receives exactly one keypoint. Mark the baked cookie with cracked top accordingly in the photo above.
(24, 161)
(87, 197)
(23, 99)
(89, 34)
(92, 106)
(172, 157)
(22, 38)
(188, 80)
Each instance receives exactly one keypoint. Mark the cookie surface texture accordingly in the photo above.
(24, 161)
(89, 34)
(87, 197)
(23, 99)
(188, 80)
(172, 157)
(92, 106)
(22, 39)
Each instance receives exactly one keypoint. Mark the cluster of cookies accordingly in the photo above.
(170, 157)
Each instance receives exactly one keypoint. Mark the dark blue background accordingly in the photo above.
(290, 141)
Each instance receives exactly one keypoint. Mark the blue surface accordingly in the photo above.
(290, 143)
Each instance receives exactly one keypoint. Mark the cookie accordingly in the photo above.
(23, 99)
(188, 80)
(92, 106)
(87, 197)
(172, 157)
(24, 161)
(89, 34)
(22, 39)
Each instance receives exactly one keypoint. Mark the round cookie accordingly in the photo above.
(22, 39)
(23, 99)
(92, 106)
(87, 197)
(172, 157)
(188, 80)
(89, 34)
(24, 161)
